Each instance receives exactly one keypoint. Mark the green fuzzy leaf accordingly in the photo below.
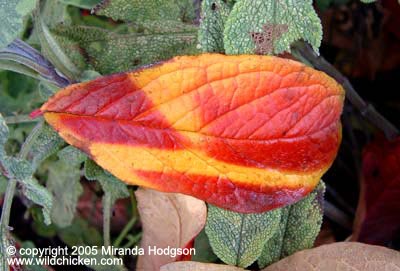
(156, 27)
(109, 52)
(46, 144)
(368, 1)
(12, 13)
(270, 27)
(72, 155)
(109, 183)
(138, 10)
(85, 4)
(238, 239)
(3, 131)
(22, 171)
(46, 90)
(51, 47)
(213, 16)
(80, 233)
(39, 195)
(299, 226)
(17, 93)
(89, 75)
(38, 225)
(3, 184)
(15, 168)
(63, 183)
(203, 249)
(34, 266)
(54, 12)
(325, 4)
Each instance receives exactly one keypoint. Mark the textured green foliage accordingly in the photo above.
(46, 144)
(109, 183)
(38, 224)
(157, 27)
(39, 195)
(46, 90)
(267, 18)
(72, 155)
(33, 267)
(54, 12)
(3, 131)
(12, 13)
(63, 183)
(368, 1)
(51, 47)
(22, 171)
(85, 4)
(138, 10)
(299, 226)
(238, 239)
(3, 185)
(109, 52)
(17, 93)
(80, 233)
(213, 16)
(89, 75)
(203, 249)
(324, 4)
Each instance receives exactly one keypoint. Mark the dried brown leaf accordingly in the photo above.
(351, 256)
(169, 220)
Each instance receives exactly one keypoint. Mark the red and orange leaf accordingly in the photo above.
(246, 133)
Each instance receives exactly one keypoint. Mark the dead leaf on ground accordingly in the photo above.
(196, 266)
(377, 218)
(350, 256)
(169, 220)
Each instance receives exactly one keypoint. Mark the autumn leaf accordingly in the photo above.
(169, 220)
(340, 256)
(377, 219)
(245, 133)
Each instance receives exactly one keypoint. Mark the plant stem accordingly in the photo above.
(366, 109)
(337, 215)
(132, 239)
(125, 231)
(20, 119)
(10, 191)
(107, 205)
